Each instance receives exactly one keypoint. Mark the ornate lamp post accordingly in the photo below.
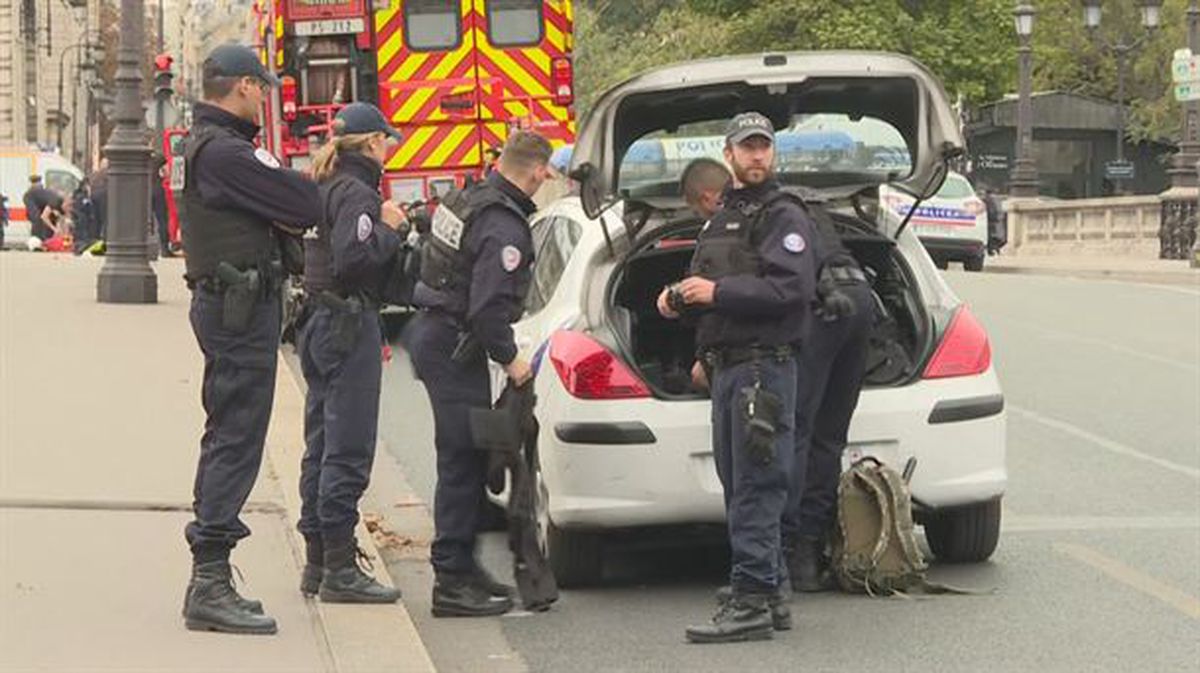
(126, 277)
(1122, 49)
(1024, 180)
(1178, 221)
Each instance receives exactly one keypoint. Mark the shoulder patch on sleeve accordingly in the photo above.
(266, 158)
(510, 258)
(794, 243)
(365, 225)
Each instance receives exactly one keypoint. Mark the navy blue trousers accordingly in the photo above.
(755, 494)
(832, 365)
(341, 420)
(238, 390)
(453, 388)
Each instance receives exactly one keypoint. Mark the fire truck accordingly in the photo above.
(453, 76)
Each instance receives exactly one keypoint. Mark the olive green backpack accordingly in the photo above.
(875, 547)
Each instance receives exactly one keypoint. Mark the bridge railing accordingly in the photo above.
(1115, 225)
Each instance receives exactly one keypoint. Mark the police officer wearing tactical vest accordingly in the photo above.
(750, 286)
(475, 272)
(339, 340)
(832, 366)
(235, 198)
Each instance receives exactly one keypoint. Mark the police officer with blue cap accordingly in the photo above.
(339, 341)
(235, 203)
(750, 287)
(475, 272)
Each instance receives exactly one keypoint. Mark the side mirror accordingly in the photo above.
(589, 190)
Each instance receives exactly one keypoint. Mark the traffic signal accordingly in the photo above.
(163, 76)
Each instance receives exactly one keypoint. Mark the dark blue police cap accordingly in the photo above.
(235, 60)
(748, 125)
(363, 118)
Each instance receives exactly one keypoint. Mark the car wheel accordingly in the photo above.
(974, 263)
(964, 534)
(576, 557)
(941, 264)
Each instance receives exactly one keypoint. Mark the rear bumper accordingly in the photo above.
(953, 248)
(954, 428)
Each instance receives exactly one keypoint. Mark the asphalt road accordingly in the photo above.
(1098, 567)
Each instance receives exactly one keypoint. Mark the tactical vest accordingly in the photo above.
(318, 250)
(214, 235)
(726, 246)
(445, 264)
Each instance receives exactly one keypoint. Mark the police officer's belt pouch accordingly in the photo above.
(762, 411)
(242, 292)
(345, 319)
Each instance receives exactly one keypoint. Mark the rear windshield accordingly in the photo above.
(514, 23)
(955, 188)
(865, 148)
(432, 25)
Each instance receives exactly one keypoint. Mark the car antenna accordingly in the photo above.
(919, 199)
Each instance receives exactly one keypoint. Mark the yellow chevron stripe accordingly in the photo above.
(449, 145)
(421, 96)
(514, 71)
(556, 37)
(411, 145)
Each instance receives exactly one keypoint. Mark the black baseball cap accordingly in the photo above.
(364, 118)
(235, 60)
(747, 125)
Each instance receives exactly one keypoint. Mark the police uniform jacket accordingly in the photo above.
(765, 285)
(353, 248)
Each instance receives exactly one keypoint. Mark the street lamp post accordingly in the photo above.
(61, 76)
(1123, 49)
(126, 277)
(1024, 180)
(1178, 228)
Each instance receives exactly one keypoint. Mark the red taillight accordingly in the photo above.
(562, 75)
(590, 372)
(287, 94)
(964, 351)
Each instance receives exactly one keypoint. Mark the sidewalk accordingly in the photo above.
(1154, 271)
(100, 422)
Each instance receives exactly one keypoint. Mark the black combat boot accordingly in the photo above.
(780, 603)
(808, 567)
(489, 584)
(344, 582)
(743, 617)
(314, 565)
(465, 596)
(213, 604)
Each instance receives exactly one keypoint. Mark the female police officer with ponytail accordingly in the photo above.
(339, 344)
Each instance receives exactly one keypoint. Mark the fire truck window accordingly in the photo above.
(432, 25)
(514, 23)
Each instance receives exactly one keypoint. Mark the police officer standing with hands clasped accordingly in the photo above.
(475, 273)
(234, 199)
(339, 345)
(750, 286)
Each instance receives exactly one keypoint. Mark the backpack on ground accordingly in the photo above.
(875, 547)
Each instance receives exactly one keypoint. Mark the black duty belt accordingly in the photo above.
(736, 355)
(339, 303)
(272, 280)
(845, 274)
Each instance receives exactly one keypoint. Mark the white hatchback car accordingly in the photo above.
(625, 440)
(952, 224)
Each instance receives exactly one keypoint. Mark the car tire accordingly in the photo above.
(941, 264)
(576, 557)
(974, 263)
(964, 534)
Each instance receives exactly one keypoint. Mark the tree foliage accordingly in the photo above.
(969, 44)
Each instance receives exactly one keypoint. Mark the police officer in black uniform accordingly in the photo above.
(832, 366)
(339, 343)
(234, 200)
(752, 281)
(475, 272)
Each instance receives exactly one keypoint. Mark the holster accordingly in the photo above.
(241, 294)
(467, 348)
(762, 411)
(345, 320)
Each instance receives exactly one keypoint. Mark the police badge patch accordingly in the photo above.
(266, 158)
(364, 227)
(510, 258)
(793, 243)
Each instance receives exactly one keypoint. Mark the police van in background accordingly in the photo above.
(952, 224)
(16, 165)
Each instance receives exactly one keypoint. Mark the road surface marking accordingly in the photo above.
(1105, 443)
(1185, 603)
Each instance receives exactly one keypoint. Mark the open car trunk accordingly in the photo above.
(662, 351)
